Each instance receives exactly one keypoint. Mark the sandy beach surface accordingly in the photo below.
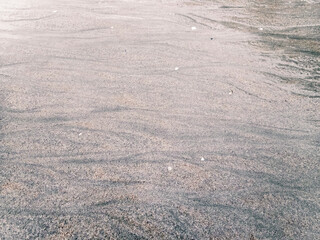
(159, 119)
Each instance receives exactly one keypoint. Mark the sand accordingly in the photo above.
(149, 120)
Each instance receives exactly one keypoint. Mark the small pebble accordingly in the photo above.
(111, 27)
(202, 159)
(231, 92)
(261, 29)
(176, 68)
(169, 168)
(54, 11)
(193, 28)
(80, 134)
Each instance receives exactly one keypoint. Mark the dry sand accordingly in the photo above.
(149, 120)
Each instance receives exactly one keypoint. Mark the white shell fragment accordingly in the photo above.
(169, 168)
(193, 28)
(202, 159)
(80, 134)
(176, 68)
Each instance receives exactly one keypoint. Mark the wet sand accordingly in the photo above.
(151, 120)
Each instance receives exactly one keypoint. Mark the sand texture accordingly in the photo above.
(153, 119)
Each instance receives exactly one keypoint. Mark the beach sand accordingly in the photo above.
(149, 120)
